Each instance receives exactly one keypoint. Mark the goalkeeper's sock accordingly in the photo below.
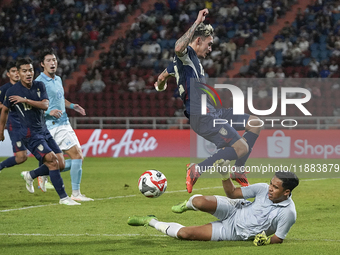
(168, 228)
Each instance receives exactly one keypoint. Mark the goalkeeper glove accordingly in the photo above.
(261, 239)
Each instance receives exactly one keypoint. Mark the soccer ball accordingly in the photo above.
(152, 183)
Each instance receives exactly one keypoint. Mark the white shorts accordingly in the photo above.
(224, 229)
(65, 137)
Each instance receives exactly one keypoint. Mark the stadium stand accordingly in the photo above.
(306, 47)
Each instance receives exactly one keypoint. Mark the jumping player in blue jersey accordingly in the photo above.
(13, 123)
(189, 73)
(29, 100)
(58, 123)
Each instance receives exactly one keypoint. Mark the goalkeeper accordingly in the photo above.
(267, 220)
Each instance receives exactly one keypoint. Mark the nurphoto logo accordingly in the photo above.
(238, 104)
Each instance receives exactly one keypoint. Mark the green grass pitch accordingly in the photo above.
(37, 224)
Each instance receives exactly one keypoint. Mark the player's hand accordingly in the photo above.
(79, 109)
(201, 15)
(261, 239)
(160, 87)
(17, 99)
(56, 113)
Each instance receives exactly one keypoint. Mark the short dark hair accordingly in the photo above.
(10, 65)
(289, 179)
(23, 61)
(45, 52)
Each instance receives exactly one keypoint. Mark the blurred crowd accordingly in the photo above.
(74, 28)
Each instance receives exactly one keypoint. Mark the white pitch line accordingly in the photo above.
(117, 197)
(128, 235)
(67, 235)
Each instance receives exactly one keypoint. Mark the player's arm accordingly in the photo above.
(160, 84)
(3, 120)
(43, 104)
(183, 42)
(75, 107)
(230, 190)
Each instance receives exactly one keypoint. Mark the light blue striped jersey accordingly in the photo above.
(263, 214)
(55, 92)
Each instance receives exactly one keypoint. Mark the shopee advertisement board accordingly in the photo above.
(177, 143)
(287, 144)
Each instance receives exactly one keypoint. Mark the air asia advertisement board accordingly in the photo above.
(177, 143)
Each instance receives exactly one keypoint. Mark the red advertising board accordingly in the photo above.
(297, 144)
(134, 142)
(176, 143)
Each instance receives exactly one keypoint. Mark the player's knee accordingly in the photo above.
(198, 201)
(51, 160)
(254, 125)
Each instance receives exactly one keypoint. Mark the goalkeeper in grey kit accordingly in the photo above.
(266, 220)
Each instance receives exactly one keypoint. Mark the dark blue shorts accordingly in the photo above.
(222, 135)
(16, 139)
(41, 144)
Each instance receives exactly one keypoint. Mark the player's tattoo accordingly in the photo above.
(184, 41)
(164, 72)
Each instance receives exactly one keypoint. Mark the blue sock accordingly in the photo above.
(58, 183)
(9, 162)
(68, 163)
(40, 171)
(250, 138)
(76, 172)
(226, 153)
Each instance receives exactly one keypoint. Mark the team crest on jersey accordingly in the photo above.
(223, 131)
(59, 94)
(38, 92)
(18, 144)
(40, 147)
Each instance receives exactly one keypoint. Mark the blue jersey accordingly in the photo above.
(191, 81)
(55, 92)
(13, 121)
(32, 119)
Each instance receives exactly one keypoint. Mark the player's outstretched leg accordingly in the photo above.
(168, 228)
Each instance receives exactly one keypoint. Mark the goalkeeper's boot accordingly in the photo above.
(192, 176)
(180, 208)
(29, 181)
(240, 177)
(140, 220)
